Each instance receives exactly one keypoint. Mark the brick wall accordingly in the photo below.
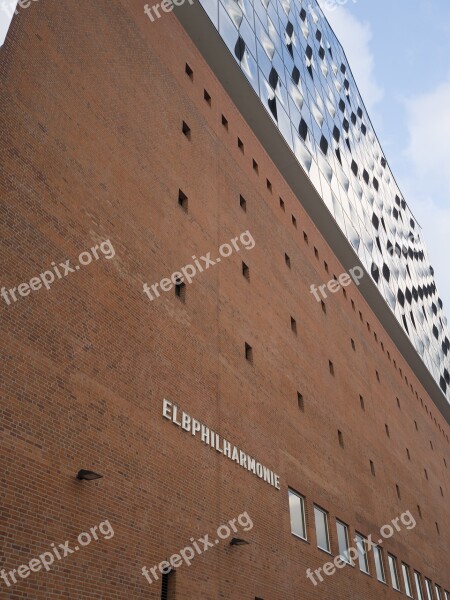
(93, 99)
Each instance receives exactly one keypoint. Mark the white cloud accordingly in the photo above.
(429, 135)
(427, 184)
(355, 37)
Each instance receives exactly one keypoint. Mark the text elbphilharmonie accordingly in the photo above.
(213, 439)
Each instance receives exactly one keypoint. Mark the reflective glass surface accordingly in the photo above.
(321, 519)
(418, 586)
(297, 67)
(297, 513)
(342, 532)
(393, 571)
(379, 568)
(407, 580)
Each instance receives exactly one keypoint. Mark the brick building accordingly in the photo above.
(127, 150)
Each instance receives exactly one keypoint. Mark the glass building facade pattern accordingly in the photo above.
(295, 64)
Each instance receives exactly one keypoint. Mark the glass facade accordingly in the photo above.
(297, 67)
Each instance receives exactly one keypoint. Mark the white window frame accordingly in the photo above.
(393, 570)
(438, 591)
(345, 556)
(362, 552)
(303, 515)
(418, 584)
(407, 580)
(429, 589)
(377, 552)
(317, 509)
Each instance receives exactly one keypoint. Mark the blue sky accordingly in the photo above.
(399, 52)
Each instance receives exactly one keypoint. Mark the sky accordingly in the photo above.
(399, 53)
(6, 9)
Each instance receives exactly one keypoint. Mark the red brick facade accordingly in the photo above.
(92, 104)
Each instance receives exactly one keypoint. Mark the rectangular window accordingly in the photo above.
(183, 200)
(438, 592)
(248, 352)
(379, 566)
(447, 595)
(167, 585)
(393, 570)
(418, 582)
(180, 290)
(293, 325)
(342, 533)
(429, 589)
(321, 520)
(361, 546)
(225, 122)
(186, 130)
(297, 512)
(245, 271)
(407, 580)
